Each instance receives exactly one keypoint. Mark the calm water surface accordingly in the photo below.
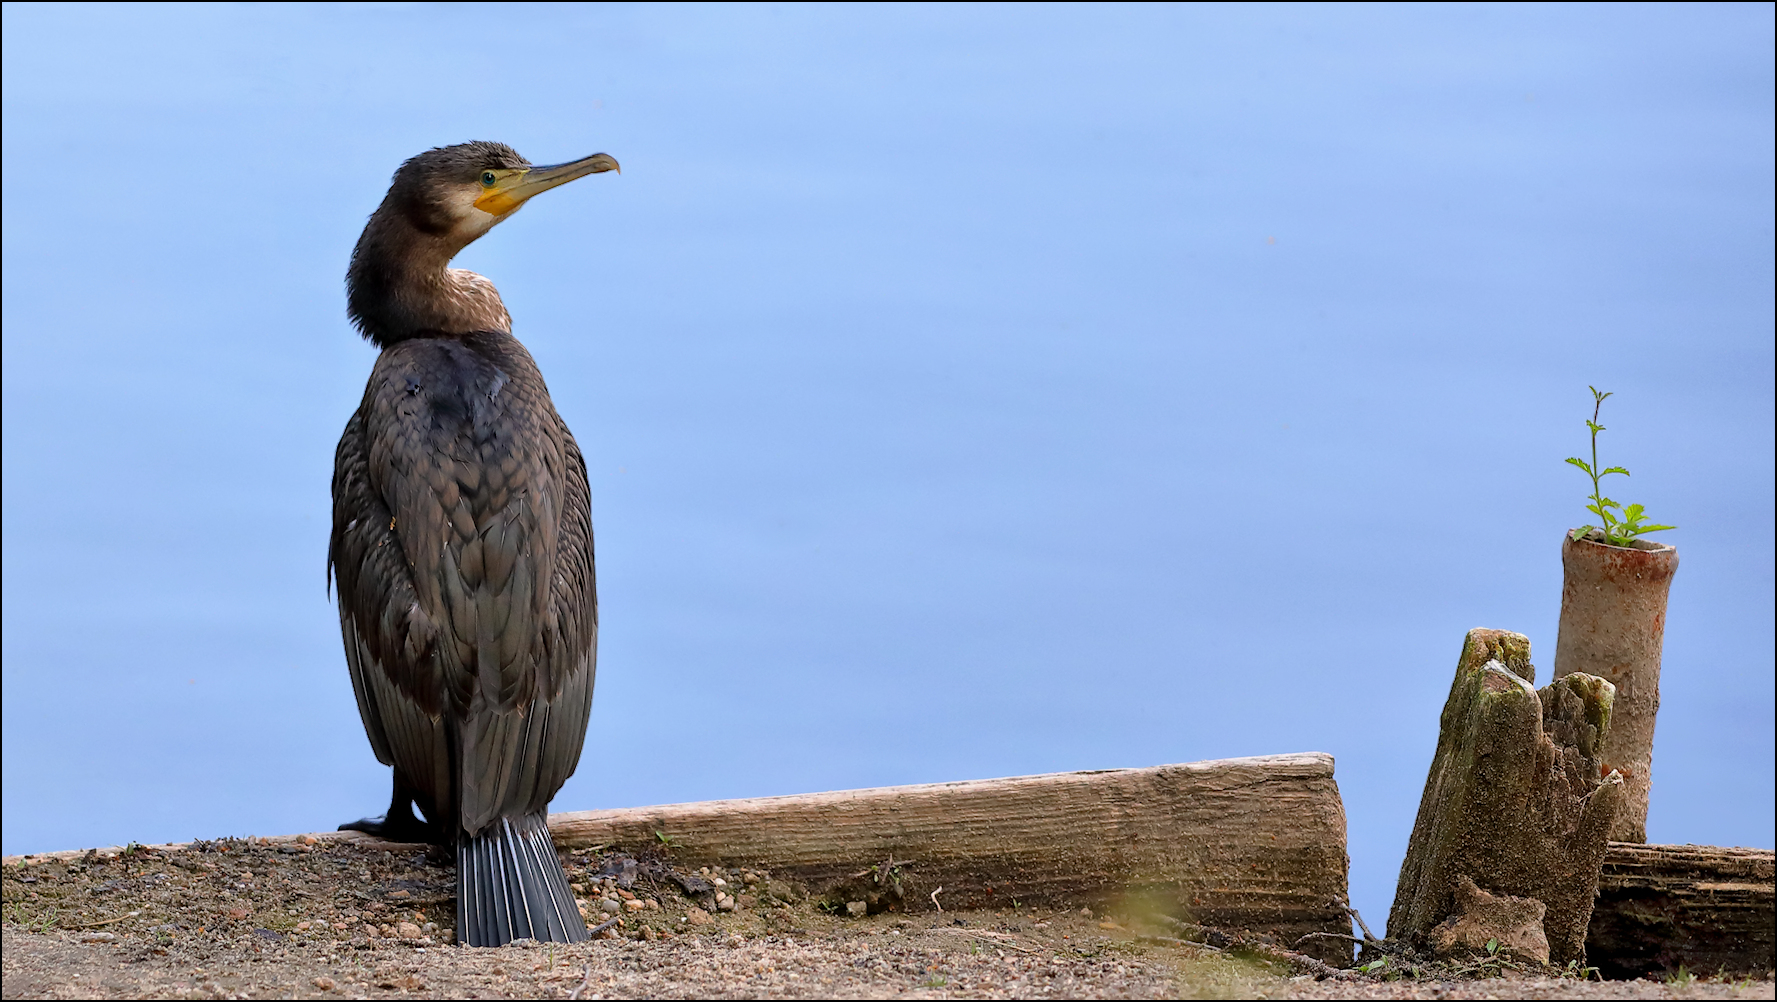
(967, 391)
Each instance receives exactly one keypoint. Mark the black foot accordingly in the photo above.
(399, 824)
(408, 829)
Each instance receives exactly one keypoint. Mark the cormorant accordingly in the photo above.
(462, 545)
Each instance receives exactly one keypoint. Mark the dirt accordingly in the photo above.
(345, 918)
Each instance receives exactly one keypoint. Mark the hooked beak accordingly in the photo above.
(512, 192)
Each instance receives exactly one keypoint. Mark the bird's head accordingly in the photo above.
(398, 285)
(460, 192)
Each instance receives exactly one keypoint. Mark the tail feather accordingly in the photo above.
(510, 885)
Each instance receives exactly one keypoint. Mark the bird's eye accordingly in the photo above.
(488, 179)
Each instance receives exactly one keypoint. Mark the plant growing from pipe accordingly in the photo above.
(1618, 529)
(1614, 589)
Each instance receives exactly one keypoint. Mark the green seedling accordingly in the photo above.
(1621, 523)
(1580, 972)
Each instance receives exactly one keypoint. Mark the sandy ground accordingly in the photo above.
(341, 919)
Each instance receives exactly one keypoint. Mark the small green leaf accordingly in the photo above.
(1614, 469)
(1582, 464)
(1493, 945)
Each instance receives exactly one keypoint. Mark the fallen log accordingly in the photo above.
(1708, 908)
(1254, 844)
(1251, 845)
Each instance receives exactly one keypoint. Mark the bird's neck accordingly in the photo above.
(400, 285)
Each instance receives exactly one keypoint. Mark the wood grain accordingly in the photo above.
(1513, 802)
(1255, 844)
(1706, 907)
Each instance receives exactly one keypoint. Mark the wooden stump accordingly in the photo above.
(1705, 907)
(1252, 844)
(1513, 799)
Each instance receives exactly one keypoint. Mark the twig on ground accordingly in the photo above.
(1175, 941)
(1010, 942)
(1331, 935)
(583, 983)
(602, 926)
(95, 925)
(1320, 969)
(1369, 937)
(935, 897)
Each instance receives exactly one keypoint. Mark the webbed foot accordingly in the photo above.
(399, 829)
(399, 824)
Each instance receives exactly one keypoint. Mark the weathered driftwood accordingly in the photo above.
(1613, 623)
(1255, 844)
(1704, 907)
(1512, 801)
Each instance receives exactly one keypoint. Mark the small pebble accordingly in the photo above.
(856, 909)
(99, 937)
(609, 906)
(325, 983)
(407, 930)
(697, 916)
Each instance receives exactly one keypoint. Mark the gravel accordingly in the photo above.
(350, 918)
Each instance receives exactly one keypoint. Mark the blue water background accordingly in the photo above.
(966, 391)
